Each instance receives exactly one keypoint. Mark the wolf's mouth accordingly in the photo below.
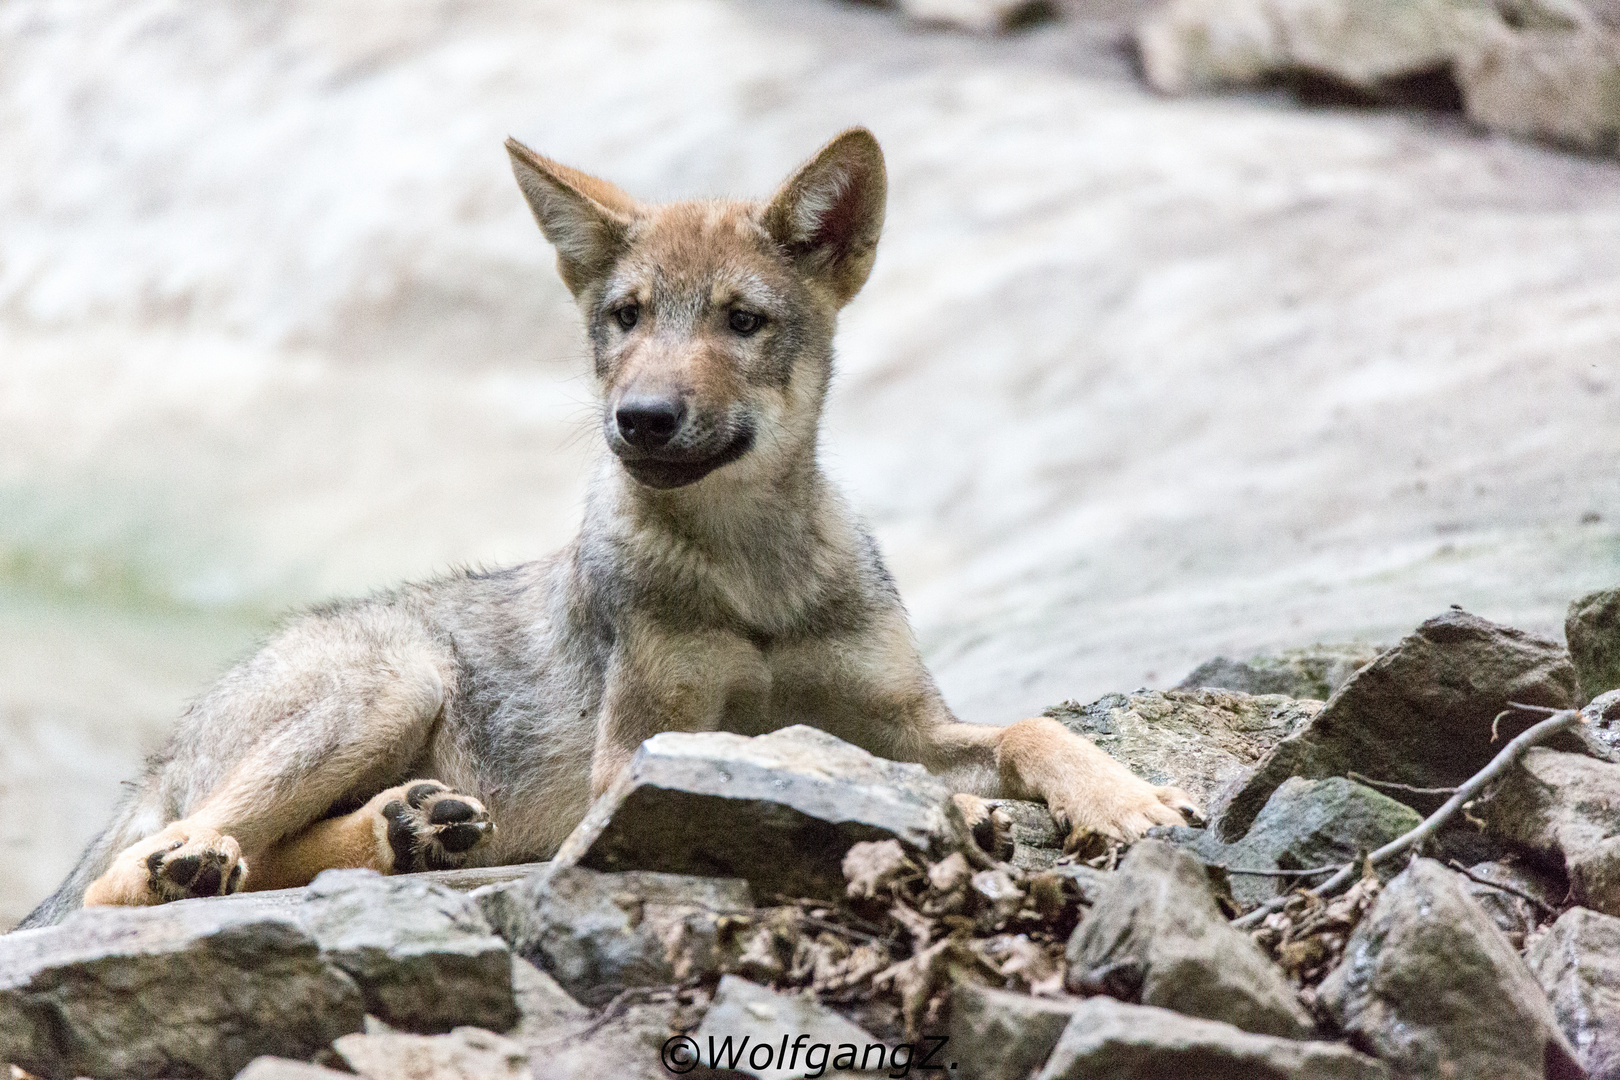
(674, 472)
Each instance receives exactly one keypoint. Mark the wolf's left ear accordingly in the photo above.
(586, 219)
(829, 214)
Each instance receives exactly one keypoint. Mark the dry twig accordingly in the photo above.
(1559, 720)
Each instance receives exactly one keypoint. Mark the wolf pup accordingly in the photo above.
(718, 582)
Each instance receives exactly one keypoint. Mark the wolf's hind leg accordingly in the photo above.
(178, 863)
(420, 825)
(335, 707)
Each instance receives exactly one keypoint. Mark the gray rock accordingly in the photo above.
(422, 954)
(1601, 729)
(745, 1016)
(1202, 741)
(1420, 714)
(1000, 1035)
(1106, 1038)
(1593, 632)
(777, 810)
(215, 991)
(1577, 962)
(1538, 68)
(1158, 923)
(1563, 807)
(979, 16)
(467, 1053)
(1314, 672)
(1305, 824)
(1431, 986)
(546, 1011)
(276, 1068)
(598, 934)
(1500, 888)
(623, 1046)
(1037, 841)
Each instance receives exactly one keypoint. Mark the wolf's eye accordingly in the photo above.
(626, 316)
(745, 322)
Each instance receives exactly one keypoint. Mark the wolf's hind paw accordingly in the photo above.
(180, 863)
(430, 826)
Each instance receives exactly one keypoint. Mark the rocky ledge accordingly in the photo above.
(789, 906)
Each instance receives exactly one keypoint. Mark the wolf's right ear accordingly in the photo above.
(829, 214)
(585, 219)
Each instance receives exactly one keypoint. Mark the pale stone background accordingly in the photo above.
(1136, 381)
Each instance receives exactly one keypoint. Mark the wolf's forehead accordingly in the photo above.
(713, 250)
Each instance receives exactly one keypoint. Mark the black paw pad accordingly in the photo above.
(448, 811)
(207, 880)
(459, 838)
(401, 836)
(183, 871)
(417, 794)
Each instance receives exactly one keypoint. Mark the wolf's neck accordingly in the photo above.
(767, 550)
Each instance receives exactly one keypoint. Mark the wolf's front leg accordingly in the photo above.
(1089, 793)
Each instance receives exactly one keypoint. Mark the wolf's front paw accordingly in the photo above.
(1120, 807)
(425, 825)
(179, 863)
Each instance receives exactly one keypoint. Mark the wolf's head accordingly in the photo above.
(711, 322)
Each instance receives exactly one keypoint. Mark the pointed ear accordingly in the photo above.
(585, 219)
(829, 214)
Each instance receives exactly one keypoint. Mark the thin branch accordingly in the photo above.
(1509, 889)
(1560, 720)
(1408, 788)
(1247, 872)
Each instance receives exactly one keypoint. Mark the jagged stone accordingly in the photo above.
(1314, 672)
(467, 1053)
(422, 954)
(777, 810)
(276, 1068)
(1202, 741)
(1577, 962)
(757, 1032)
(1593, 632)
(1036, 839)
(215, 989)
(1543, 69)
(1106, 1038)
(1431, 986)
(546, 1012)
(1421, 714)
(979, 16)
(1564, 807)
(1000, 1035)
(598, 933)
(1158, 921)
(625, 1045)
(1305, 824)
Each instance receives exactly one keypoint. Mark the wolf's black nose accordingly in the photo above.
(649, 423)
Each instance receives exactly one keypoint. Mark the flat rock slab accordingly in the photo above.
(1577, 962)
(1157, 937)
(1431, 986)
(467, 1053)
(754, 1031)
(1565, 807)
(777, 810)
(597, 933)
(1420, 714)
(1593, 632)
(1202, 741)
(214, 992)
(1305, 824)
(277, 1068)
(1000, 1035)
(422, 954)
(1314, 672)
(1107, 1038)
